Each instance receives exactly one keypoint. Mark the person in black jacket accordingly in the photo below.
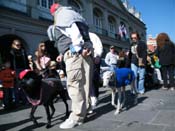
(166, 54)
(138, 61)
(19, 62)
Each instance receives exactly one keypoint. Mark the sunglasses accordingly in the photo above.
(42, 45)
(17, 44)
(133, 37)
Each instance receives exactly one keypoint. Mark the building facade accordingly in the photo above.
(151, 43)
(28, 21)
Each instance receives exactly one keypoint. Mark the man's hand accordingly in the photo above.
(59, 58)
(97, 60)
(140, 62)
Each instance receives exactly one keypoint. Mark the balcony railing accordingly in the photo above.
(112, 34)
(105, 32)
(100, 31)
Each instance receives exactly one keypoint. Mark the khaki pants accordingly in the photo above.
(88, 65)
(78, 83)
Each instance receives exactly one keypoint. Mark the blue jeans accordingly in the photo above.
(139, 72)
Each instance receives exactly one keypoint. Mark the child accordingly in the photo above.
(7, 76)
(1, 94)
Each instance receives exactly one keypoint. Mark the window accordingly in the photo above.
(97, 19)
(50, 2)
(45, 3)
(75, 5)
(112, 26)
(112, 1)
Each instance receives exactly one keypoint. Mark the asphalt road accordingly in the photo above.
(155, 111)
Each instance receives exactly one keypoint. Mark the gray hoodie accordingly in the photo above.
(66, 16)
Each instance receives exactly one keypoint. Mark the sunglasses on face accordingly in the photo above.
(17, 45)
(42, 45)
(134, 38)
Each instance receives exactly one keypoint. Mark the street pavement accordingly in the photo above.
(155, 111)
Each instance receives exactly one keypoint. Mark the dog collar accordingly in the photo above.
(34, 102)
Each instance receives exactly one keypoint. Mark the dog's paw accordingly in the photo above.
(48, 125)
(35, 122)
(116, 112)
(122, 105)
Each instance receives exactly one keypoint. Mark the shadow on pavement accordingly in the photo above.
(30, 128)
(153, 87)
(9, 126)
(14, 109)
(107, 107)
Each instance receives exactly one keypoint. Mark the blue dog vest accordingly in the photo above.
(123, 76)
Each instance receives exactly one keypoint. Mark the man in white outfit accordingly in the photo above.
(111, 57)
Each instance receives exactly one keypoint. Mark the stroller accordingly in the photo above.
(149, 75)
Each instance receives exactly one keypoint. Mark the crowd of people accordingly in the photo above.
(81, 52)
(18, 61)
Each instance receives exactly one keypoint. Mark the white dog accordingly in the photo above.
(117, 80)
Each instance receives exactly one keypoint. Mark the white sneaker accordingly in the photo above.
(90, 111)
(141, 93)
(68, 123)
(172, 88)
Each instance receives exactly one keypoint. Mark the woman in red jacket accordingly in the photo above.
(7, 76)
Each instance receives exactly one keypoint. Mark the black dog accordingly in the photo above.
(42, 91)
